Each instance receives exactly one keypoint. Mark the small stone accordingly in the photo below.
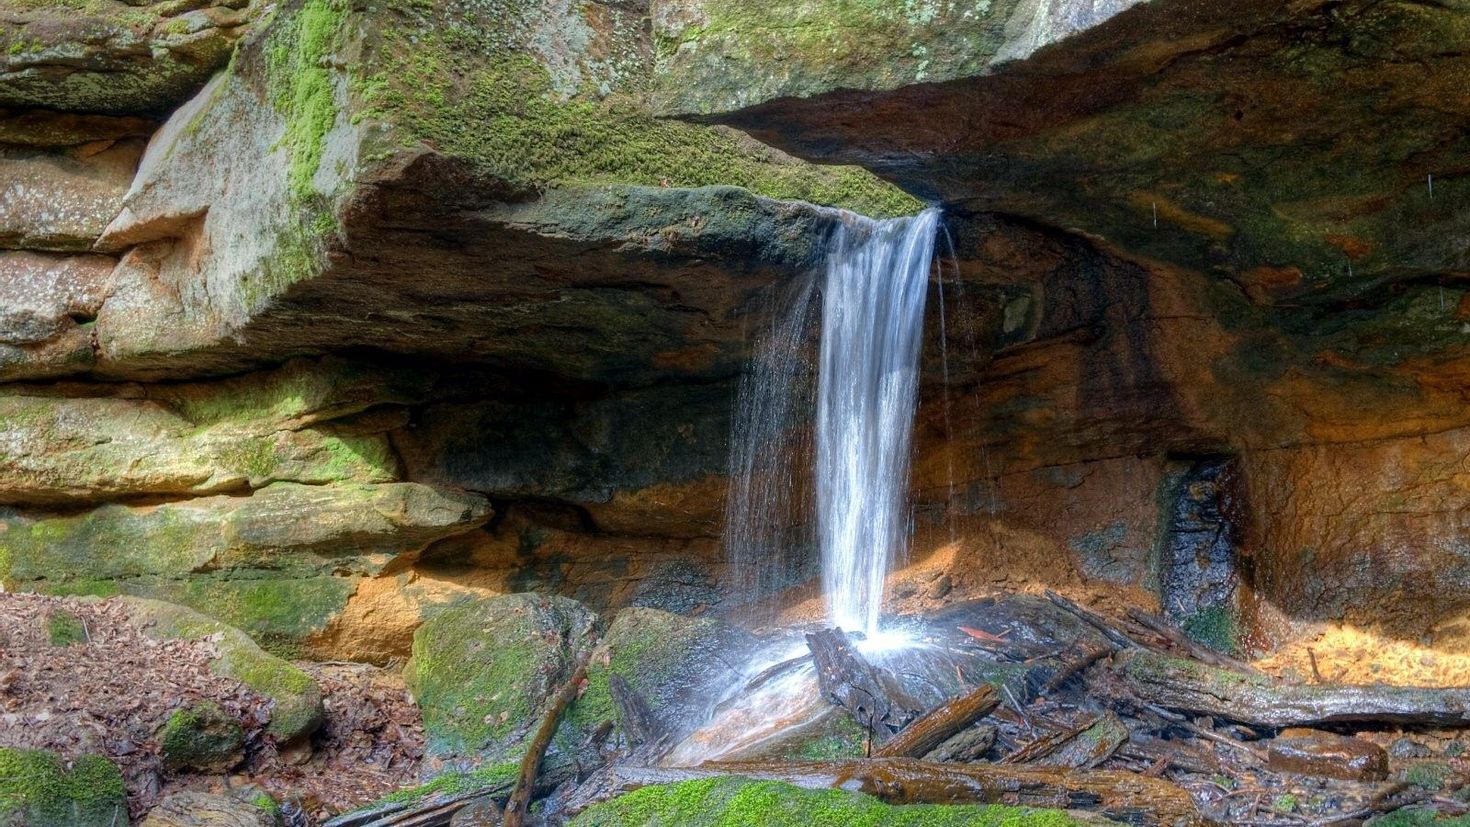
(1406, 748)
(939, 588)
(203, 738)
(1327, 755)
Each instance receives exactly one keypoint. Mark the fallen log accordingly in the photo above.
(1089, 746)
(936, 726)
(1181, 641)
(868, 693)
(1122, 796)
(967, 745)
(1110, 630)
(520, 795)
(1259, 701)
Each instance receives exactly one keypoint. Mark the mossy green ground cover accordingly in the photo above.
(38, 790)
(740, 802)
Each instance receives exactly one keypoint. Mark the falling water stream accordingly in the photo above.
(872, 302)
(872, 325)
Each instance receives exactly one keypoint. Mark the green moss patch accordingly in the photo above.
(739, 802)
(38, 790)
(202, 737)
(65, 629)
(297, 709)
(482, 671)
(469, 86)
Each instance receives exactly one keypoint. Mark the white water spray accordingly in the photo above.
(872, 325)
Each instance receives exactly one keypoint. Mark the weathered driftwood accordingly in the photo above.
(1181, 642)
(520, 795)
(1089, 746)
(936, 726)
(1110, 630)
(1184, 755)
(1135, 799)
(868, 693)
(966, 745)
(1200, 689)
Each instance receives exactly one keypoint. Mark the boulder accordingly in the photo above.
(39, 789)
(673, 664)
(296, 709)
(203, 738)
(196, 809)
(483, 672)
(113, 57)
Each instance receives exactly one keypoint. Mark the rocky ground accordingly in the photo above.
(79, 677)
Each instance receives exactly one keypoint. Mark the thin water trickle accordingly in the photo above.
(867, 390)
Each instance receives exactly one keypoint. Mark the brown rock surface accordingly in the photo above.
(1314, 752)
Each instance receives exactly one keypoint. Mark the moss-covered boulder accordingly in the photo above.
(519, 134)
(674, 664)
(201, 737)
(39, 789)
(715, 56)
(483, 672)
(112, 56)
(296, 709)
(741, 802)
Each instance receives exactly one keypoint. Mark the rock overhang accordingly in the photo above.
(1311, 152)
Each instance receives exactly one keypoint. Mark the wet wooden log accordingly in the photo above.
(520, 795)
(1109, 629)
(1122, 796)
(868, 693)
(1089, 746)
(936, 726)
(1183, 644)
(1259, 701)
(967, 745)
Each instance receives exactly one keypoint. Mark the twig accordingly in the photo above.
(520, 794)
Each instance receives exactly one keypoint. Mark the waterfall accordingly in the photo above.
(867, 390)
(872, 306)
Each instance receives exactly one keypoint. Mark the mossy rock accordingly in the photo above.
(297, 699)
(37, 789)
(202, 737)
(741, 802)
(667, 659)
(483, 671)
